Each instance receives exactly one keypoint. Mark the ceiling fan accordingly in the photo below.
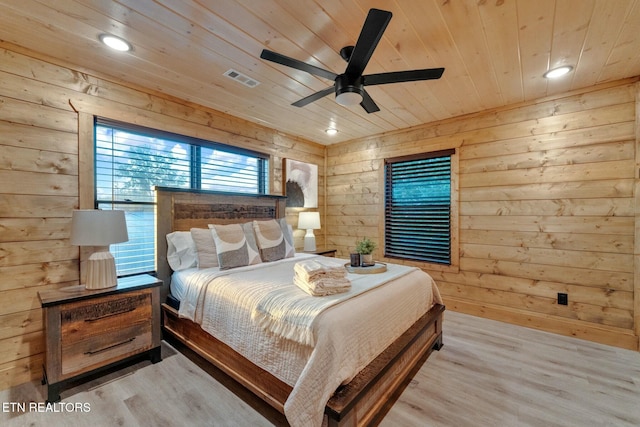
(349, 86)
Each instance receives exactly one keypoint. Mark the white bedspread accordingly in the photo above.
(289, 312)
(348, 335)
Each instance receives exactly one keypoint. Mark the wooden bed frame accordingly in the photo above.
(363, 401)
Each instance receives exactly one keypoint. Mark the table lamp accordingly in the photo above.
(309, 221)
(99, 229)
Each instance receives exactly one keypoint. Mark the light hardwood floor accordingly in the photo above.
(487, 374)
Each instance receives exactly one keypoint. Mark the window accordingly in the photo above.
(130, 161)
(418, 205)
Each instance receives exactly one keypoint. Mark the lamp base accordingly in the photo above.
(309, 241)
(101, 271)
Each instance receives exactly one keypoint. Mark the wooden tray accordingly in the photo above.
(378, 267)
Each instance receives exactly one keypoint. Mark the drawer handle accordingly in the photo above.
(115, 313)
(92, 352)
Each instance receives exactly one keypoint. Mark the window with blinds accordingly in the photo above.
(131, 160)
(418, 207)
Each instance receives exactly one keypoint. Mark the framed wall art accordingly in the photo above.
(301, 184)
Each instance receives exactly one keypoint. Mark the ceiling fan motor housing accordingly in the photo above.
(349, 89)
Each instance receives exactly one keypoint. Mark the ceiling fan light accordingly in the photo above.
(348, 98)
(557, 72)
(349, 90)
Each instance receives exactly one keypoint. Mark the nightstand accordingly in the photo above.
(323, 251)
(87, 331)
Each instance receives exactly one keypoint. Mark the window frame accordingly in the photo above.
(195, 148)
(195, 156)
(454, 266)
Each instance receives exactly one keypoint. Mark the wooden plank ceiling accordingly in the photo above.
(494, 52)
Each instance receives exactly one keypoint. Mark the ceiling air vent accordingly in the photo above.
(239, 77)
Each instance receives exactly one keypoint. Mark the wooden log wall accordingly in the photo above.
(46, 112)
(548, 203)
(548, 198)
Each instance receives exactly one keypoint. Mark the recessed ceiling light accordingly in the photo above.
(115, 42)
(557, 72)
(331, 131)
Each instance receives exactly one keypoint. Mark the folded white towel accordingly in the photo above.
(323, 287)
(321, 276)
(314, 268)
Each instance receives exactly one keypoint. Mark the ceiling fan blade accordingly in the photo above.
(368, 104)
(403, 76)
(299, 65)
(314, 97)
(371, 33)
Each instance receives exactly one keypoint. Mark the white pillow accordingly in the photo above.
(181, 250)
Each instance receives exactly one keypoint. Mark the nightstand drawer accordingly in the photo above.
(94, 333)
(90, 330)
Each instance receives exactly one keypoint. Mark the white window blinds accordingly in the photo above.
(130, 161)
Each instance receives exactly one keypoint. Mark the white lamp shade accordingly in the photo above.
(93, 227)
(309, 220)
(99, 229)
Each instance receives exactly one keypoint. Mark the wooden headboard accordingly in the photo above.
(182, 210)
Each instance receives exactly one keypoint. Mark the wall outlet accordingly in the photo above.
(563, 299)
